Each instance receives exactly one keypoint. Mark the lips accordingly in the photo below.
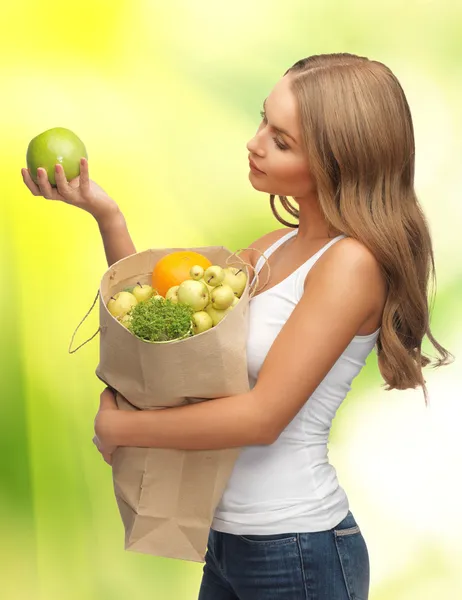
(252, 164)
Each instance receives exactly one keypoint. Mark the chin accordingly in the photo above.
(258, 185)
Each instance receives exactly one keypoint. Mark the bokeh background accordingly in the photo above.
(165, 96)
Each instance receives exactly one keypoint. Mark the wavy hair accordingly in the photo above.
(358, 136)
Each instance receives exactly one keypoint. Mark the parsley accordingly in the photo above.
(159, 320)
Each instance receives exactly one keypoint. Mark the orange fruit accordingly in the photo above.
(172, 269)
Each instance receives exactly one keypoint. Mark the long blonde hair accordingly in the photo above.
(358, 135)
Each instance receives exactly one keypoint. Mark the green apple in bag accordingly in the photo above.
(214, 275)
(201, 321)
(142, 291)
(194, 293)
(172, 294)
(236, 279)
(222, 296)
(196, 272)
(121, 303)
(217, 315)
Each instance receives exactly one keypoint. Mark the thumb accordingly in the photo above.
(107, 399)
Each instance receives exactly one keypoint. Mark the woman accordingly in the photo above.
(337, 136)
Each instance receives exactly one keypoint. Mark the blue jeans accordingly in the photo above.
(326, 565)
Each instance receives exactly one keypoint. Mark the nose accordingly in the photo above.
(254, 146)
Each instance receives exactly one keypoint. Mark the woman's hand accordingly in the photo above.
(106, 451)
(102, 422)
(80, 191)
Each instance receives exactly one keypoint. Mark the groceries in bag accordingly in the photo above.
(198, 300)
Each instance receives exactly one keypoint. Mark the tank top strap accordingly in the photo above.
(271, 249)
(321, 251)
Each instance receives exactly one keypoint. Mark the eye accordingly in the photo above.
(279, 144)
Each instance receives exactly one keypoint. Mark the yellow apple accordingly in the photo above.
(214, 275)
(222, 296)
(201, 321)
(121, 303)
(196, 272)
(236, 278)
(193, 293)
(142, 292)
(125, 320)
(217, 315)
(172, 294)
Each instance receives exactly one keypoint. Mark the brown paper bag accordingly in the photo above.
(166, 497)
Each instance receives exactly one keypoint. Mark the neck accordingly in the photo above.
(312, 225)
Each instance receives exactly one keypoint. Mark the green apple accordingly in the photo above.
(222, 296)
(236, 278)
(55, 146)
(142, 292)
(214, 275)
(209, 287)
(201, 321)
(172, 294)
(235, 301)
(121, 303)
(196, 272)
(125, 320)
(194, 293)
(158, 297)
(217, 315)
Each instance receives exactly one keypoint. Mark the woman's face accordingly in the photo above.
(279, 155)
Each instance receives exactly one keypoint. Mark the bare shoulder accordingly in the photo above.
(349, 262)
(351, 251)
(252, 253)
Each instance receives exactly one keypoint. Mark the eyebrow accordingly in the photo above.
(283, 131)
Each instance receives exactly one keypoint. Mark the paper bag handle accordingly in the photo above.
(73, 335)
(254, 290)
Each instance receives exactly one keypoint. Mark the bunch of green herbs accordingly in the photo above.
(160, 320)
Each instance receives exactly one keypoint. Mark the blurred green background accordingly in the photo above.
(165, 96)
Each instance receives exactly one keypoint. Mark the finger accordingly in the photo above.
(62, 184)
(107, 458)
(107, 398)
(44, 184)
(30, 183)
(97, 444)
(107, 402)
(84, 176)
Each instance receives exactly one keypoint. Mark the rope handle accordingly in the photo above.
(243, 262)
(73, 335)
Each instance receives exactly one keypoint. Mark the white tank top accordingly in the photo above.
(289, 486)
